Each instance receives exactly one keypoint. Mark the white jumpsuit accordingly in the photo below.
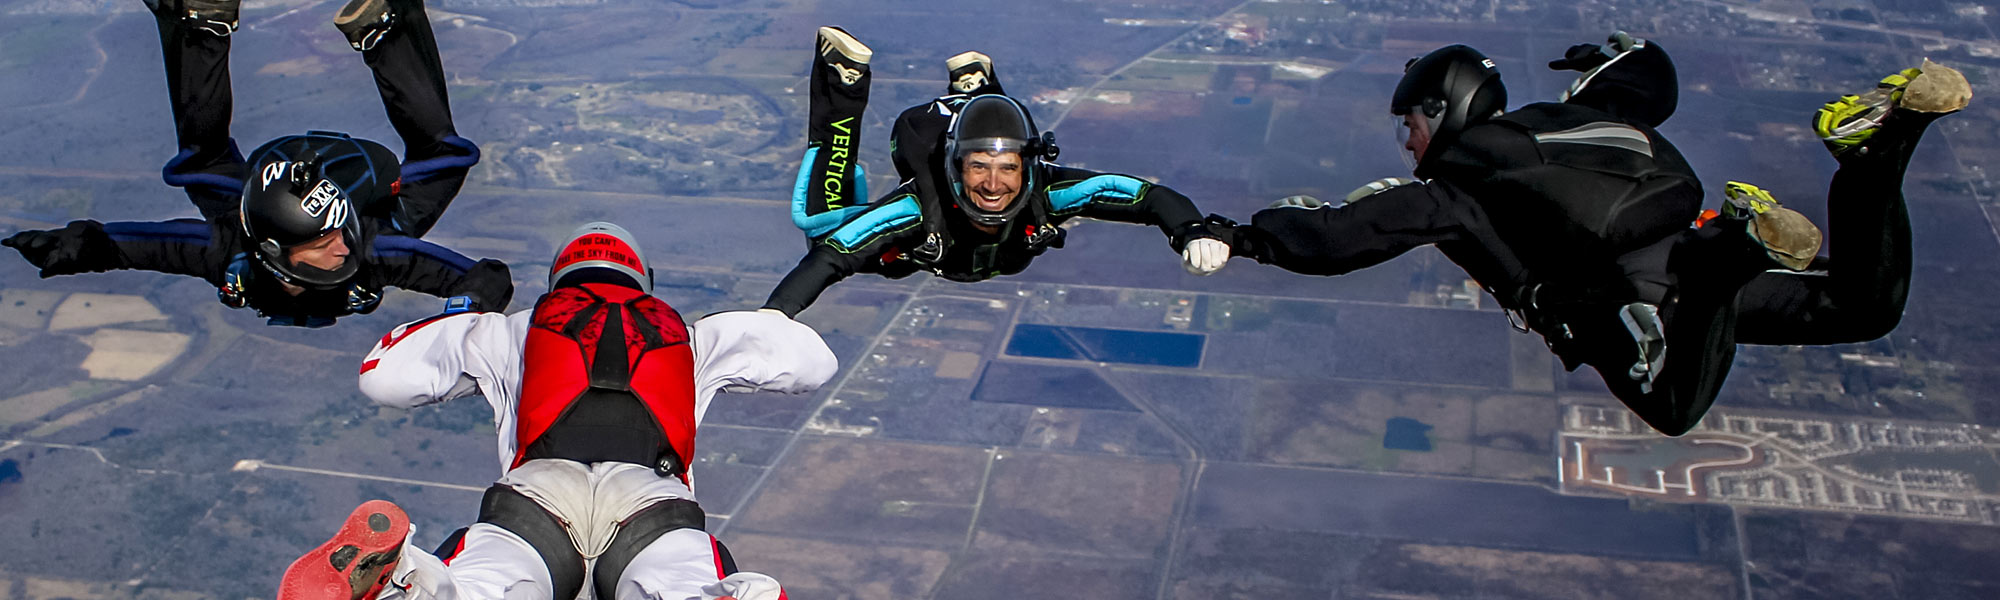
(480, 353)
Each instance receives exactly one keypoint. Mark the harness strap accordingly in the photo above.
(508, 509)
(639, 531)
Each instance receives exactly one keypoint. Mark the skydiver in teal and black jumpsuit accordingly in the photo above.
(981, 196)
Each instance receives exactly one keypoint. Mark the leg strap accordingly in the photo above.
(507, 509)
(638, 532)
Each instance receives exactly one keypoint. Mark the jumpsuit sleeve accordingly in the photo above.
(878, 234)
(752, 351)
(180, 247)
(1336, 240)
(421, 266)
(1125, 199)
(445, 357)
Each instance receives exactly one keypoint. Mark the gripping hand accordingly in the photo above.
(1204, 256)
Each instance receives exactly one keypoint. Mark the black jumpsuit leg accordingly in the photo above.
(830, 185)
(209, 167)
(1860, 297)
(411, 79)
(1707, 268)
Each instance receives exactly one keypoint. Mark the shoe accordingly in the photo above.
(1846, 123)
(214, 16)
(364, 22)
(356, 563)
(848, 56)
(1649, 336)
(968, 72)
(1788, 238)
(1937, 89)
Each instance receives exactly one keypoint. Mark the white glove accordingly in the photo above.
(1204, 256)
(743, 586)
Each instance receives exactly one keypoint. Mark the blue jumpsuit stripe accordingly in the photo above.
(414, 172)
(876, 221)
(396, 245)
(818, 225)
(181, 230)
(1083, 192)
(222, 183)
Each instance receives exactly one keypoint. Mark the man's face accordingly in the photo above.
(992, 179)
(326, 252)
(1416, 135)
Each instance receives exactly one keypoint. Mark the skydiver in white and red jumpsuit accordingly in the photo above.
(596, 393)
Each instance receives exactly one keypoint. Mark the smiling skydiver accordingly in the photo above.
(998, 200)
(311, 227)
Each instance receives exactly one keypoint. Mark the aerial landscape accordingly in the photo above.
(1104, 425)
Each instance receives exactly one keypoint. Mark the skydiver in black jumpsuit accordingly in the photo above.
(1575, 216)
(298, 190)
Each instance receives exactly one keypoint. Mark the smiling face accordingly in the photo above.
(326, 252)
(992, 179)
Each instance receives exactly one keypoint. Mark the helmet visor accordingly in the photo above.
(991, 144)
(1413, 135)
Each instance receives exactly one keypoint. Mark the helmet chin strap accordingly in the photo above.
(302, 274)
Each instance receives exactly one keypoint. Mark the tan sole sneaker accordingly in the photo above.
(834, 39)
(968, 71)
(1788, 237)
(1939, 89)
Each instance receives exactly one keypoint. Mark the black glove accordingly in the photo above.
(1244, 240)
(1581, 58)
(36, 246)
(81, 246)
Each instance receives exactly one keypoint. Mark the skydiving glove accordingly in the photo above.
(1243, 240)
(1204, 256)
(36, 246)
(55, 251)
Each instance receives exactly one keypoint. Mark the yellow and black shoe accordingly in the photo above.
(1788, 238)
(1847, 123)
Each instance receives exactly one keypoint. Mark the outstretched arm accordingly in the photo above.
(822, 267)
(879, 234)
(444, 357)
(421, 266)
(1329, 240)
(181, 247)
(751, 351)
(1125, 199)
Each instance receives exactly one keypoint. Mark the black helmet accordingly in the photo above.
(302, 186)
(1453, 87)
(995, 123)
